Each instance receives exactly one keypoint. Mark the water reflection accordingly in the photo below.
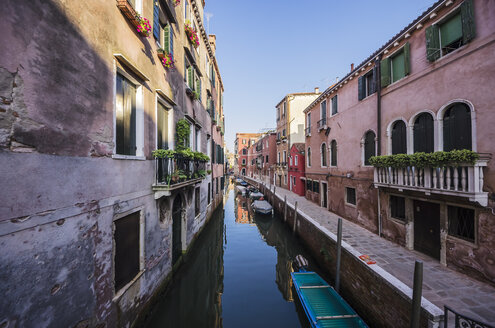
(238, 274)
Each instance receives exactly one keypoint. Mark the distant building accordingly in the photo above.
(290, 129)
(241, 144)
(297, 181)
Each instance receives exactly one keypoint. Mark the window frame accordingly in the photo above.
(336, 102)
(308, 157)
(347, 189)
(474, 241)
(323, 155)
(401, 219)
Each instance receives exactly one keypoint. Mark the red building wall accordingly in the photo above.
(296, 172)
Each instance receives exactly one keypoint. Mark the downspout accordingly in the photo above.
(378, 128)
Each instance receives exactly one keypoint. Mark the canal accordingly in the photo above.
(236, 275)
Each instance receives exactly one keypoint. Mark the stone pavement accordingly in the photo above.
(441, 285)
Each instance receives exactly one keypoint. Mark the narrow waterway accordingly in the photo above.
(237, 275)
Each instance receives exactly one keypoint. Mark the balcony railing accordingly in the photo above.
(464, 180)
(308, 131)
(177, 172)
(322, 124)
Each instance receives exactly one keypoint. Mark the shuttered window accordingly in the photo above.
(457, 128)
(126, 238)
(369, 146)
(333, 153)
(451, 33)
(334, 105)
(399, 141)
(323, 110)
(125, 114)
(396, 66)
(156, 21)
(162, 127)
(323, 154)
(366, 84)
(423, 134)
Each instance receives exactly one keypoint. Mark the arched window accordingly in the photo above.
(399, 141)
(333, 153)
(457, 128)
(423, 133)
(369, 146)
(323, 154)
(308, 156)
(244, 151)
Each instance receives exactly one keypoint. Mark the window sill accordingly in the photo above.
(462, 241)
(122, 291)
(350, 205)
(398, 220)
(129, 157)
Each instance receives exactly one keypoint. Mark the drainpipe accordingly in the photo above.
(378, 128)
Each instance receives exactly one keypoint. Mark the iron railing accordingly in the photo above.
(178, 169)
(322, 123)
(308, 131)
(462, 321)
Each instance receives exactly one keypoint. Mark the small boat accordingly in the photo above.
(262, 207)
(243, 183)
(256, 195)
(238, 180)
(324, 307)
(241, 190)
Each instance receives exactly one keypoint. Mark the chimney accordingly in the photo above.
(317, 90)
(212, 38)
(352, 67)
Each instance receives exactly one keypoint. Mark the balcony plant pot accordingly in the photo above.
(133, 17)
(161, 54)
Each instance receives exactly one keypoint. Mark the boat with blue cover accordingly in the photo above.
(324, 307)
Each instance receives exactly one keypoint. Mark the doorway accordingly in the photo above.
(427, 228)
(324, 201)
(177, 229)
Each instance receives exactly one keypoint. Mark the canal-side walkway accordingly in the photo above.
(441, 285)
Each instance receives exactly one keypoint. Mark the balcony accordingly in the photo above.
(322, 124)
(308, 131)
(176, 172)
(463, 180)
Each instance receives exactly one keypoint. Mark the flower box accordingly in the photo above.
(141, 24)
(191, 34)
(167, 59)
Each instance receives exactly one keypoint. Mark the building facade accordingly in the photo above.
(241, 145)
(297, 180)
(290, 130)
(409, 98)
(86, 99)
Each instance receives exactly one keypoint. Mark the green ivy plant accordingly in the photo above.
(163, 153)
(421, 160)
(182, 130)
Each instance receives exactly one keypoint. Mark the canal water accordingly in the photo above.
(237, 274)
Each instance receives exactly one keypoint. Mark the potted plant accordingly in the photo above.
(143, 26)
(191, 33)
(176, 3)
(168, 60)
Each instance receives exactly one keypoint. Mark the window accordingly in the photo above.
(197, 139)
(278, 114)
(209, 191)
(399, 141)
(309, 157)
(369, 146)
(283, 133)
(308, 123)
(366, 84)
(334, 105)
(423, 133)
(295, 160)
(309, 185)
(267, 158)
(294, 181)
(186, 10)
(216, 186)
(316, 186)
(162, 127)
(243, 141)
(243, 161)
(197, 202)
(285, 156)
(453, 32)
(284, 109)
(323, 111)
(350, 195)
(244, 151)
(457, 128)
(127, 251)
(125, 112)
(333, 153)
(398, 207)
(395, 67)
(461, 223)
(285, 179)
(290, 161)
(208, 144)
(323, 155)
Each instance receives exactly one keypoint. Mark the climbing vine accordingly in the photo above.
(182, 130)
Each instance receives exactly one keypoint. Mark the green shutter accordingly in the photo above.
(190, 77)
(407, 59)
(198, 87)
(374, 82)
(361, 86)
(451, 30)
(166, 38)
(385, 72)
(398, 66)
(467, 18)
(432, 43)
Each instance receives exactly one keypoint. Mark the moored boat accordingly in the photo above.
(323, 306)
(262, 207)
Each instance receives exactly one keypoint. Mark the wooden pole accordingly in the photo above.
(285, 208)
(339, 251)
(417, 291)
(295, 218)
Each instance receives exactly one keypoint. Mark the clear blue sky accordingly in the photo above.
(268, 48)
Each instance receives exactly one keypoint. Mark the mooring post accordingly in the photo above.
(295, 218)
(339, 251)
(285, 208)
(417, 293)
